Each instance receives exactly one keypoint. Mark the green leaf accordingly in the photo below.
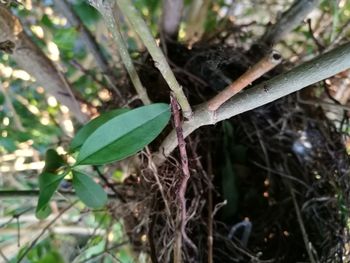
(124, 135)
(8, 144)
(65, 38)
(48, 184)
(89, 192)
(53, 161)
(91, 126)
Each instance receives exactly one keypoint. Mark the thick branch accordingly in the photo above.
(89, 40)
(32, 59)
(139, 25)
(171, 17)
(319, 68)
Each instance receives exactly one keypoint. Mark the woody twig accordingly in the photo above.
(264, 65)
(181, 230)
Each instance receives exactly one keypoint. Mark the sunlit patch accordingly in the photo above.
(342, 3)
(19, 166)
(84, 108)
(104, 95)
(68, 126)
(64, 109)
(6, 121)
(33, 109)
(182, 32)
(21, 74)
(60, 150)
(145, 11)
(71, 160)
(110, 236)
(5, 168)
(38, 31)
(4, 134)
(40, 90)
(45, 120)
(96, 103)
(48, 11)
(54, 52)
(28, 5)
(144, 238)
(52, 101)
(5, 71)
(267, 182)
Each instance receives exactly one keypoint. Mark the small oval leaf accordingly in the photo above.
(91, 126)
(124, 135)
(48, 184)
(89, 192)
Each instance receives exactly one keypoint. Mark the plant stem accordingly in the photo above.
(171, 17)
(108, 12)
(264, 65)
(308, 73)
(160, 62)
(286, 23)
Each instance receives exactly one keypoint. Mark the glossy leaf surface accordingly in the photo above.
(91, 126)
(124, 135)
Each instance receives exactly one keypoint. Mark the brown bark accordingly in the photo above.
(29, 57)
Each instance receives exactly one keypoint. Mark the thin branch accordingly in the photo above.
(308, 73)
(109, 13)
(171, 17)
(307, 243)
(4, 257)
(31, 246)
(106, 181)
(90, 42)
(35, 194)
(160, 62)
(264, 65)
(287, 21)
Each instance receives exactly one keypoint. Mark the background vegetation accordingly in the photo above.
(268, 185)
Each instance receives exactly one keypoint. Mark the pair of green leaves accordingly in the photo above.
(88, 191)
(112, 136)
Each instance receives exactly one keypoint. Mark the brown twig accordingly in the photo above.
(210, 213)
(110, 186)
(320, 47)
(186, 175)
(264, 65)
